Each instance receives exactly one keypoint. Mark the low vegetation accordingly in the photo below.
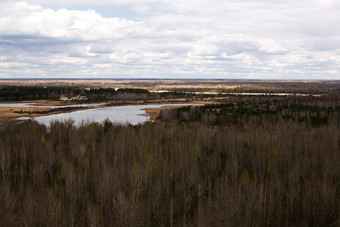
(246, 162)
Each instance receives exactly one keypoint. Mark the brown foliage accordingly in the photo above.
(169, 174)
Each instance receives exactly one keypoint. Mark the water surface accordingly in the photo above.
(32, 104)
(132, 114)
(16, 104)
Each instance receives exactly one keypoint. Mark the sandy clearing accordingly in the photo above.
(11, 113)
(7, 113)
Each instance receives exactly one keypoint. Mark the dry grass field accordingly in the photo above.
(192, 85)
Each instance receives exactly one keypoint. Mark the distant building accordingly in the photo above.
(77, 98)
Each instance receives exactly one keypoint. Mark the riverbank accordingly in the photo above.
(12, 113)
(38, 108)
(41, 108)
(154, 112)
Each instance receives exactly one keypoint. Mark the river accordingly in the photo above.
(132, 114)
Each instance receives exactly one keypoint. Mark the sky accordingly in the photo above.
(182, 39)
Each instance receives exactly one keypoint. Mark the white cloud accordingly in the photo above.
(20, 18)
(194, 38)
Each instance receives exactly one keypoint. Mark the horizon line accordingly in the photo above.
(159, 79)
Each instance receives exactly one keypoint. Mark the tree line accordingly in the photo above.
(22, 93)
(237, 111)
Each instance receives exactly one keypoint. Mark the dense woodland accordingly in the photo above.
(247, 162)
(22, 93)
(236, 110)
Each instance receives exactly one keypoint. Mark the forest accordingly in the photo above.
(23, 93)
(251, 161)
(311, 111)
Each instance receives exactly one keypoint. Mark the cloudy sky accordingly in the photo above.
(228, 39)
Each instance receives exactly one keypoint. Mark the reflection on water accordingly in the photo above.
(132, 114)
(16, 105)
(31, 104)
